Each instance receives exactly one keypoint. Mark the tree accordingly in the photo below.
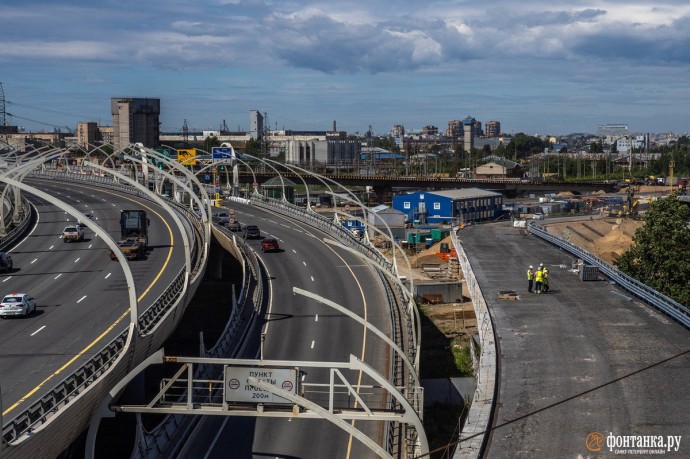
(659, 254)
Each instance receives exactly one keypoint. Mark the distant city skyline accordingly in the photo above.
(544, 68)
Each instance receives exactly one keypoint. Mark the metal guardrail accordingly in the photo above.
(158, 441)
(658, 300)
(83, 377)
(18, 231)
(347, 238)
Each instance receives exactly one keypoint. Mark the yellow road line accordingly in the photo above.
(114, 324)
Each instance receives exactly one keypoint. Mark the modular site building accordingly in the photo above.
(448, 206)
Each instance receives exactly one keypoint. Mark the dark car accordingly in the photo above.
(234, 226)
(269, 244)
(5, 262)
(251, 232)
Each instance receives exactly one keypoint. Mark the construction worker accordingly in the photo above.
(530, 278)
(539, 278)
(545, 281)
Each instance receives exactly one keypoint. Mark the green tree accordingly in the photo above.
(659, 253)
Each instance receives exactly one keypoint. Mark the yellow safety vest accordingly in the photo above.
(539, 275)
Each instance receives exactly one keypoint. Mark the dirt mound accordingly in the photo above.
(606, 238)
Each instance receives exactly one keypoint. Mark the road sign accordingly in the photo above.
(221, 153)
(187, 156)
(238, 389)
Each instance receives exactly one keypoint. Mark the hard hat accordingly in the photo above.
(541, 264)
(530, 267)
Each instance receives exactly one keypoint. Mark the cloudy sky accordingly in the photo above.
(539, 67)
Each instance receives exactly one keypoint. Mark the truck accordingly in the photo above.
(134, 238)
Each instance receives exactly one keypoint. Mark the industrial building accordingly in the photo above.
(135, 120)
(460, 206)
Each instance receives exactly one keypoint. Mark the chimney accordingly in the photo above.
(334, 130)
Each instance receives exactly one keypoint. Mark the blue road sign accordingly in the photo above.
(221, 153)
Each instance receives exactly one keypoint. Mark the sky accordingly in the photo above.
(538, 67)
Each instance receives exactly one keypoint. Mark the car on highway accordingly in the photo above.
(222, 218)
(73, 233)
(17, 304)
(89, 216)
(251, 232)
(234, 226)
(270, 244)
(538, 216)
(5, 262)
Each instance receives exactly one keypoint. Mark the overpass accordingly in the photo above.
(383, 185)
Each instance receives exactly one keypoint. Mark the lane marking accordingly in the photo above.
(316, 318)
(77, 259)
(92, 244)
(38, 330)
(114, 324)
(81, 299)
(108, 275)
(56, 277)
(312, 278)
(312, 344)
(35, 260)
(51, 247)
(7, 278)
(304, 263)
(295, 251)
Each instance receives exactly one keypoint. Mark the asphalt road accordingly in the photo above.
(584, 358)
(298, 328)
(81, 294)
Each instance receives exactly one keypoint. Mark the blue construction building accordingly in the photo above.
(450, 206)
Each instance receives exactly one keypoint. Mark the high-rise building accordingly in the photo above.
(429, 131)
(398, 131)
(135, 120)
(468, 126)
(454, 130)
(256, 124)
(492, 129)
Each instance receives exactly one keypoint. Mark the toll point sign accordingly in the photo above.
(238, 388)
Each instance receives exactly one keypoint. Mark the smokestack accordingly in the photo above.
(333, 125)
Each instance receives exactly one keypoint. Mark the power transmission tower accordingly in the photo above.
(224, 127)
(185, 133)
(3, 118)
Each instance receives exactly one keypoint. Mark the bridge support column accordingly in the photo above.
(382, 193)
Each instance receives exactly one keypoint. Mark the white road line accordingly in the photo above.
(38, 330)
(316, 318)
(81, 299)
(312, 344)
(108, 275)
(77, 259)
(35, 260)
(56, 277)
(294, 250)
(51, 247)
(304, 263)
(312, 278)
(304, 376)
(7, 278)
(90, 246)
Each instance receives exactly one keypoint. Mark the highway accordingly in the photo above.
(81, 294)
(584, 358)
(300, 329)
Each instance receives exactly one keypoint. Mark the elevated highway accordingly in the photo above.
(60, 361)
(383, 185)
(586, 357)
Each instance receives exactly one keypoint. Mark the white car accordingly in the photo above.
(17, 304)
(538, 216)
